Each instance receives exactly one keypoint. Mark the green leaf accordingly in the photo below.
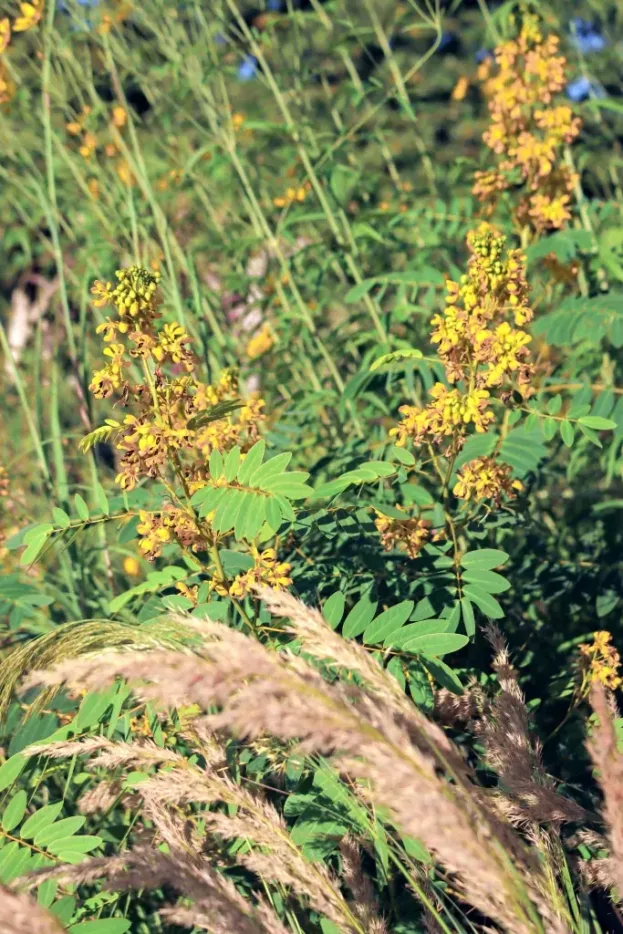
(60, 517)
(550, 427)
(484, 601)
(244, 513)
(101, 926)
(232, 462)
(273, 513)
(270, 468)
(425, 627)
(102, 499)
(71, 844)
(403, 456)
(442, 673)
(16, 865)
(81, 508)
(441, 643)
(333, 609)
(40, 820)
(484, 560)
(597, 422)
(291, 485)
(228, 510)
(215, 464)
(235, 562)
(251, 462)
(488, 580)
(46, 893)
(469, 622)
(397, 356)
(64, 908)
(256, 517)
(211, 499)
(11, 769)
(590, 434)
(567, 433)
(92, 707)
(554, 405)
(33, 548)
(14, 811)
(388, 622)
(359, 617)
(58, 830)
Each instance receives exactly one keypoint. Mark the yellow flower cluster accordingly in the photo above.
(90, 143)
(29, 16)
(483, 478)
(266, 571)
(601, 662)
(170, 525)
(475, 344)
(407, 534)
(528, 131)
(170, 434)
(292, 196)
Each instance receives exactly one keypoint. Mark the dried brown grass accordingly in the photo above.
(404, 762)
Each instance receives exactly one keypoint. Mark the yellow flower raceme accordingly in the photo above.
(601, 662)
(407, 534)
(481, 350)
(266, 571)
(528, 131)
(485, 479)
(448, 415)
(30, 14)
(167, 428)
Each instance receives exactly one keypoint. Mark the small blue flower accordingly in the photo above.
(586, 37)
(444, 42)
(247, 68)
(581, 88)
(276, 6)
(483, 54)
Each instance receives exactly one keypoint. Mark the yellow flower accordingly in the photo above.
(89, 145)
(260, 343)
(131, 567)
(31, 14)
(291, 196)
(237, 120)
(124, 172)
(460, 89)
(5, 33)
(119, 117)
